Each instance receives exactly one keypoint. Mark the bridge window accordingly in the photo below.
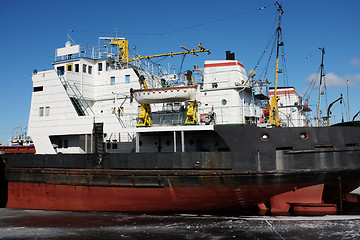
(112, 81)
(127, 79)
(41, 111)
(90, 70)
(69, 67)
(99, 67)
(84, 68)
(76, 67)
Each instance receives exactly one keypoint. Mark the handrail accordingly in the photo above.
(78, 96)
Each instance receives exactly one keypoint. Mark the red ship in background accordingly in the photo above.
(19, 144)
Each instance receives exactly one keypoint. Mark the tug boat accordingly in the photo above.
(105, 143)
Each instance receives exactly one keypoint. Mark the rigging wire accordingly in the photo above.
(214, 21)
(325, 92)
(182, 62)
(181, 29)
(271, 39)
(301, 59)
(266, 68)
(312, 84)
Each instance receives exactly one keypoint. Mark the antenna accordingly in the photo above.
(69, 39)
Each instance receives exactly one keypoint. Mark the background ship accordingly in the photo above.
(116, 134)
(19, 143)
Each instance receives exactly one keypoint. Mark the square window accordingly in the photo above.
(112, 81)
(47, 111)
(41, 111)
(69, 67)
(76, 67)
(127, 79)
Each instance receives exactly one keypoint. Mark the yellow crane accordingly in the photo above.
(171, 54)
(145, 109)
(123, 54)
(274, 111)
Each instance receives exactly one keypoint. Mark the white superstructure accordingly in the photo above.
(292, 110)
(90, 86)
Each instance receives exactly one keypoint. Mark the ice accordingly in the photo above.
(30, 224)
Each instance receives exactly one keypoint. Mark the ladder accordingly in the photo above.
(80, 104)
(240, 198)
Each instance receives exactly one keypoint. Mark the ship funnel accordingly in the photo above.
(230, 55)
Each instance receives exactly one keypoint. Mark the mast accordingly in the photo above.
(274, 112)
(320, 86)
(348, 101)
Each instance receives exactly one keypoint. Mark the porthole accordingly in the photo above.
(223, 102)
(265, 137)
(304, 136)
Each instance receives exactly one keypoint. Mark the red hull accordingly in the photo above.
(84, 198)
(127, 199)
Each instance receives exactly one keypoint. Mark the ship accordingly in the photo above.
(19, 143)
(114, 134)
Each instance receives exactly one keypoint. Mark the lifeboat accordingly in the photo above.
(165, 95)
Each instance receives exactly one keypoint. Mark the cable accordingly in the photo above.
(180, 29)
(214, 21)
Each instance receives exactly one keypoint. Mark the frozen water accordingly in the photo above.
(36, 224)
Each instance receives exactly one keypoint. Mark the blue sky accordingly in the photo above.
(32, 30)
